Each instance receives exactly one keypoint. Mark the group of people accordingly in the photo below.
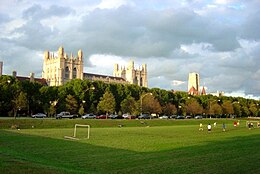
(209, 127)
(236, 124)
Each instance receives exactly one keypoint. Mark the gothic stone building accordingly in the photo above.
(61, 68)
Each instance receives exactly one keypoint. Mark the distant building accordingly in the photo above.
(193, 83)
(57, 70)
(132, 75)
(218, 93)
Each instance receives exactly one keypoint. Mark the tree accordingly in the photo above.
(107, 103)
(193, 107)
(245, 111)
(128, 105)
(253, 109)
(71, 104)
(227, 107)
(151, 105)
(237, 109)
(19, 103)
(169, 109)
(216, 109)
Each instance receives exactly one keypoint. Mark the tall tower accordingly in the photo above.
(57, 70)
(1, 68)
(194, 82)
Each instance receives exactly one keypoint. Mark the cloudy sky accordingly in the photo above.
(219, 39)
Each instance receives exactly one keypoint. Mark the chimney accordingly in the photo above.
(14, 74)
(1, 68)
(31, 77)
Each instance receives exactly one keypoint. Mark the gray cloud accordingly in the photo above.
(221, 42)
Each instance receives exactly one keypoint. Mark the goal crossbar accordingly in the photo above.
(81, 125)
(75, 131)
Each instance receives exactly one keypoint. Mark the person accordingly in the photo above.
(235, 124)
(215, 124)
(209, 127)
(258, 124)
(238, 123)
(223, 127)
(201, 127)
(249, 125)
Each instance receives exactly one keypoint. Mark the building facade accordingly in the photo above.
(193, 83)
(61, 68)
(132, 75)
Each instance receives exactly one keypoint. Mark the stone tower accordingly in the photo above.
(132, 75)
(194, 83)
(59, 69)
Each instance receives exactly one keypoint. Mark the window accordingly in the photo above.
(67, 72)
(74, 73)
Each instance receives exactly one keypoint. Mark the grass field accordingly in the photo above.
(160, 146)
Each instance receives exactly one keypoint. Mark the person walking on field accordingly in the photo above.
(223, 127)
(201, 127)
(209, 127)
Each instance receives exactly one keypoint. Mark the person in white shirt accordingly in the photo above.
(209, 127)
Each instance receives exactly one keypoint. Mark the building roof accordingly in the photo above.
(85, 75)
(203, 92)
(39, 80)
(193, 91)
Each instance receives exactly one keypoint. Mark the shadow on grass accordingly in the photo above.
(21, 153)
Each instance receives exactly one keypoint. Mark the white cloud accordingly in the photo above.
(177, 82)
(109, 4)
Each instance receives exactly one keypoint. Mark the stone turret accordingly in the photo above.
(80, 54)
(61, 52)
(46, 55)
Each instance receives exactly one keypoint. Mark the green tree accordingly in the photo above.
(193, 107)
(169, 109)
(19, 103)
(237, 109)
(253, 109)
(227, 107)
(128, 105)
(245, 111)
(81, 110)
(216, 109)
(107, 103)
(151, 105)
(71, 104)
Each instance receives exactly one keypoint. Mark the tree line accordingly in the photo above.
(24, 98)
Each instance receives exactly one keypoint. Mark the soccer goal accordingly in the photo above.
(75, 132)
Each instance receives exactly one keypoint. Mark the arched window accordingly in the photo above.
(74, 73)
(67, 72)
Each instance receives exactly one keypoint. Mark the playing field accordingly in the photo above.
(168, 147)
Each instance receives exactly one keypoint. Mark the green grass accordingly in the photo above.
(164, 146)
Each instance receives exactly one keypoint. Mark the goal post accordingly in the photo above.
(81, 125)
(75, 132)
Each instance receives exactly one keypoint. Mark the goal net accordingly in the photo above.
(76, 128)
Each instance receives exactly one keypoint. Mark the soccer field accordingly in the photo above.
(179, 148)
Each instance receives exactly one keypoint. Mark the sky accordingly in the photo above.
(219, 39)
